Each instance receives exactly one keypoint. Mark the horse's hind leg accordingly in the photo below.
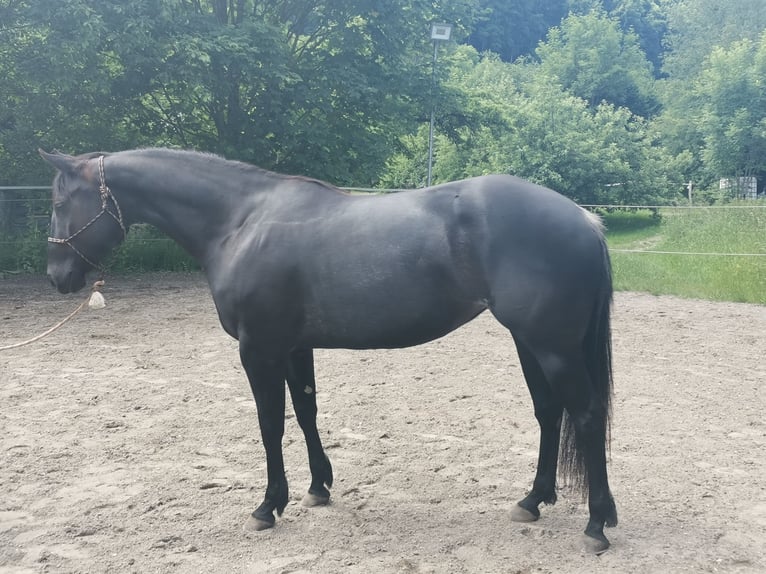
(301, 382)
(548, 411)
(585, 436)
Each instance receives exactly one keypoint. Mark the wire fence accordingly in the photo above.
(45, 202)
(695, 253)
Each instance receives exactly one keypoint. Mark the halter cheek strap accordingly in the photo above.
(106, 195)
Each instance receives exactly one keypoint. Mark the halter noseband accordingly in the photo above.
(105, 194)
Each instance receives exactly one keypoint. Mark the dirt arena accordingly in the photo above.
(129, 443)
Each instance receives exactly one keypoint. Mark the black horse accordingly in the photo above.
(296, 264)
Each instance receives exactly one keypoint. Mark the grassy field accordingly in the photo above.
(706, 243)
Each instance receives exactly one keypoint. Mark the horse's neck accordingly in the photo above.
(192, 202)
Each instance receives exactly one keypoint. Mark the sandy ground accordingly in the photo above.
(129, 443)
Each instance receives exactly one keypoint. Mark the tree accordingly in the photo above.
(647, 19)
(699, 121)
(590, 56)
(513, 28)
(54, 85)
(521, 122)
(302, 87)
(733, 119)
(697, 26)
(320, 88)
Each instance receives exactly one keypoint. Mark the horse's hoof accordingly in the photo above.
(595, 545)
(521, 514)
(254, 524)
(312, 500)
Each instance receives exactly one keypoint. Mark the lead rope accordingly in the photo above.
(95, 300)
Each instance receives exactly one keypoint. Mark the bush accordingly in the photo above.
(145, 249)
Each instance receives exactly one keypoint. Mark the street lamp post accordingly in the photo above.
(439, 33)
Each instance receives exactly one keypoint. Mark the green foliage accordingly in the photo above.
(738, 229)
(498, 28)
(319, 88)
(698, 26)
(517, 120)
(147, 249)
(333, 89)
(23, 230)
(649, 21)
(594, 59)
(24, 253)
(218, 82)
(718, 121)
(733, 121)
(408, 168)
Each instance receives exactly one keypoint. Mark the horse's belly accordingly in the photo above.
(384, 328)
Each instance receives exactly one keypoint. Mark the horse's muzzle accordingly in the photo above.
(68, 282)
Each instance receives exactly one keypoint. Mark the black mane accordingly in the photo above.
(218, 160)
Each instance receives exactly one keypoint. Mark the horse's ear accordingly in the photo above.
(60, 161)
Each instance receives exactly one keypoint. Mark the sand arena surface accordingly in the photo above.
(129, 443)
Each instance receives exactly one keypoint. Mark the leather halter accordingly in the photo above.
(106, 195)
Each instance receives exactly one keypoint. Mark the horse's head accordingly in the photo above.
(86, 222)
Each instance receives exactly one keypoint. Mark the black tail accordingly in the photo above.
(597, 348)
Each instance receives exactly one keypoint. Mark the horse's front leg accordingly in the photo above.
(267, 380)
(302, 385)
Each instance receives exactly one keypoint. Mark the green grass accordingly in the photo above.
(629, 228)
(717, 277)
